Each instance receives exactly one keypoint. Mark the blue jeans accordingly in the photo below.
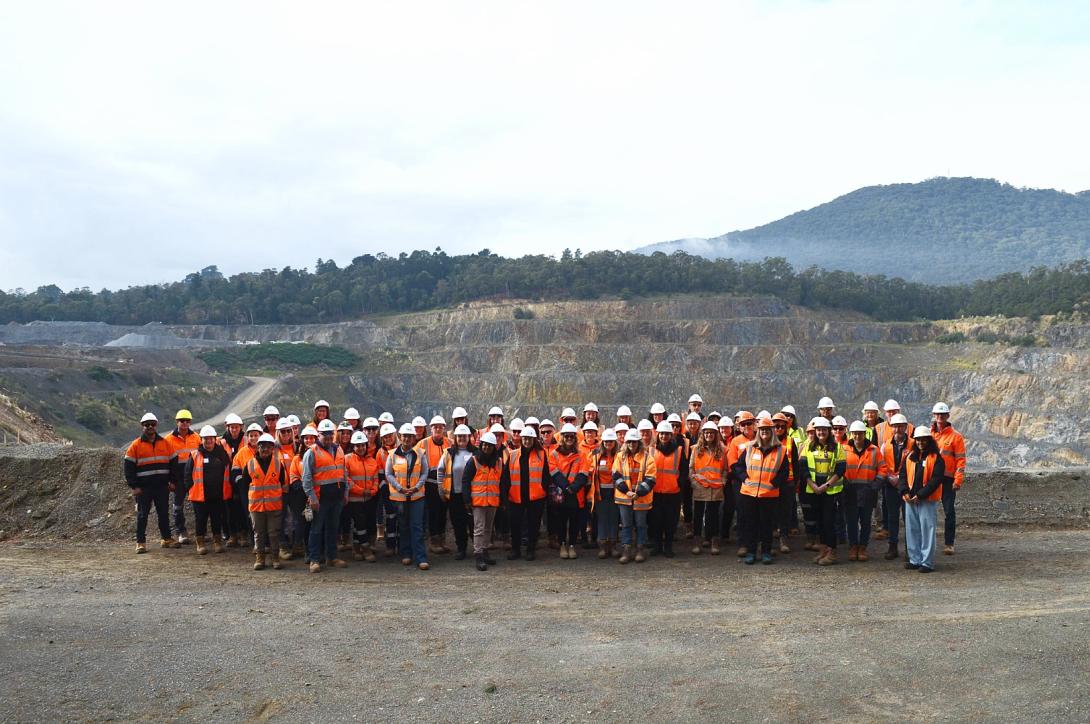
(630, 517)
(326, 524)
(920, 519)
(411, 521)
(608, 516)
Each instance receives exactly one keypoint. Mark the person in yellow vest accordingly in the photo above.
(567, 494)
(951, 447)
(449, 482)
(601, 496)
(708, 473)
(764, 467)
(921, 481)
(183, 442)
(326, 485)
(824, 477)
(208, 479)
(265, 479)
(432, 448)
(484, 475)
(864, 471)
(634, 491)
(362, 471)
(406, 471)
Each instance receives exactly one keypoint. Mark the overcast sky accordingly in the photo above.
(142, 141)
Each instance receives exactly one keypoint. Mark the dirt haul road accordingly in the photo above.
(245, 404)
(1000, 632)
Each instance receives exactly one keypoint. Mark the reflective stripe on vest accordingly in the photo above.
(401, 474)
(707, 471)
(761, 470)
(536, 467)
(265, 493)
(362, 478)
(861, 468)
(666, 476)
(928, 469)
(822, 463)
(196, 492)
(484, 489)
(634, 472)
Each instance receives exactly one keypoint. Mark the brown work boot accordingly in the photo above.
(217, 545)
(141, 547)
(822, 550)
(626, 554)
(715, 549)
(232, 540)
(695, 550)
(948, 550)
(346, 543)
(168, 543)
(829, 558)
(202, 549)
(380, 531)
(641, 554)
(424, 565)
(881, 535)
(339, 563)
(315, 566)
(811, 543)
(603, 553)
(784, 548)
(892, 552)
(368, 554)
(742, 551)
(861, 554)
(285, 554)
(853, 553)
(259, 561)
(434, 545)
(357, 552)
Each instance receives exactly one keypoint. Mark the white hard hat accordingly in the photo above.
(839, 421)
(858, 426)
(438, 420)
(590, 407)
(588, 425)
(387, 429)
(386, 417)
(528, 432)
(739, 414)
(326, 425)
(624, 411)
(370, 422)
(271, 410)
(344, 426)
(547, 423)
(632, 436)
(351, 414)
(359, 436)
(569, 429)
(664, 426)
(940, 408)
(674, 417)
(725, 422)
(266, 437)
(898, 419)
(489, 438)
(497, 429)
(517, 424)
(709, 425)
(407, 429)
(308, 430)
(148, 417)
(419, 421)
(463, 430)
(459, 412)
(921, 431)
(254, 427)
(294, 420)
(820, 422)
(232, 419)
(620, 427)
(320, 403)
(658, 409)
(891, 404)
(208, 431)
(283, 424)
(764, 414)
(531, 420)
(789, 410)
(693, 416)
(871, 405)
(568, 412)
(647, 425)
(609, 434)
(716, 414)
(825, 402)
(496, 410)
(696, 398)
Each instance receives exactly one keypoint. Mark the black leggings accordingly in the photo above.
(525, 521)
(209, 511)
(362, 515)
(437, 509)
(759, 516)
(662, 523)
(567, 523)
(706, 518)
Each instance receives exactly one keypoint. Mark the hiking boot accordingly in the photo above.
(828, 559)
(563, 551)
(572, 555)
(285, 554)
(641, 554)
(339, 563)
(882, 535)
(514, 555)
(275, 558)
(368, 554)
(297, 551)
(434, 545)
(168, 543)
(380, 531)
(861, 554)
(141, 547)
(357, 552)
(715, 550)
(202, 549)
(406, 561)
(460, 555)
(892, 552)
(259, 561)
(232, 541)
(603, 552)
(315, 567)
(626, 554)
(767, 559)
(481, 565)
(217, 545)
(948, 550)
(853, 553)
(695, 550)
(811, 543)
(423, 565)
(822, 550)
(750, 559)
(742, 551)
(784, 548)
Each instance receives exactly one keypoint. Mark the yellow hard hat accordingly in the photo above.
(184, 415)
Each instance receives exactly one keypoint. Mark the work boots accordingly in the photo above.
(141, 547)
(603, 550)
(861, 554)
(357, 552)
(822, 551)
(784, 548)
(232, 540)
(346, 543)
(641, 554)
(435, 545)
(829, 558)
(626, 554)
(275, 558)
(695, 550)
(742, 551)
(202, 549)
(368, 554)
(481, 565)
(259, 561)
(217, 545)
(286, 554)
(892, 553)
(853, 553)
(811, 543)
(168, 543)
(715, 550)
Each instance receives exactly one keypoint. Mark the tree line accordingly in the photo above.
(374, 284)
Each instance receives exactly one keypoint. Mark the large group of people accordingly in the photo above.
(630, 489)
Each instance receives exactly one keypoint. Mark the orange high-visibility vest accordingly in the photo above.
(327, 467)
(893, 467)
(761, 470)
(600, 471)
(244, 455)
(928, 469)
(536, 470)
(862, 468)
(362, 477)
(484, 489)
(634, 468)
(287, 452)
(707, 471)
(569, 465)
(401, 474)
(183, 447)
(196, 493)
(266, 495)
(668, 469)
(152, 460)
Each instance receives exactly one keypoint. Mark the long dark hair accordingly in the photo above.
(924, 447)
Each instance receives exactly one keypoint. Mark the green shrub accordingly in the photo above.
(93, 415)
(521, 313)
(951, 338)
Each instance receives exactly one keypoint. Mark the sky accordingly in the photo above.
(141, 141)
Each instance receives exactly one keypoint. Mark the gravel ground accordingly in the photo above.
(999, 632)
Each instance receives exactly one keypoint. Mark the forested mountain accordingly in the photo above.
(943, 230)
(425, 280)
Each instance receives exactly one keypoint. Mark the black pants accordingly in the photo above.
(206, 512)
(296, 500)
(567, 523)
(662, 523)
(731, 493)
(437, 509)
(158, 495)
(789, 513)
(758, 516)
(687, 511)
(238, 513)
(829, 517)
(811, 512)
(362, 515)
(705, 518)
(460, 521)
(950, 524)
(525, 521)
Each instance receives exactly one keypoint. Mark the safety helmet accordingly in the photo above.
(664, 426)
(351, 414)
(568, 412)
(789, 410)
(359, 436)
(321, 403)
(624, 411)
(725, 422)
(674, 417)
(696, 398)
(632, 436)
(940, 408)
(528, 432)
(709, 425)
(858, 426)
(266, 437)
(531, 420)
(921, 431)
(745, 416)
(463, 430)
(283, 424)
(294, 420)
(780, 417)
(407, 429)
(270, 410)
(569, 429)
(825, 402)
(232, 419)
(254, 427)
(326, 425)
(308, 431)
(148, 417)
(517, 424)
(765, 422)
(342, 426)
(839, 421)
(588, 425)
(497, 429)
(386, 417)
(609, 434)
(647, 425)
(387, 429)
(658, 409)
(692, 416)
(419, 421)
(495, 410)
(459, 412)
(370, 422)
(764, 413)
(488, 438)
(871, 405)
(898, 419)
(590, 407)
(547, 423)
(438, 420)
(208, 431)
(820, 422)
(891, 404)
(184, 415)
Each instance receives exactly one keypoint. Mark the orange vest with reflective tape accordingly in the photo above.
(327, 467)
(401, 474)
(761, 470)
(928, 469)
(634, 468)
(265, 494)
(362, 477)
(707, 472)
(484, 489)
(536, 469)
(861, 468)
(600, 472)
(668, 469)
(196, 492)
(183, 447)
(569, 465)
(432, 451)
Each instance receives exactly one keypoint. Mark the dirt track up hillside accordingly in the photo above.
(245, 403)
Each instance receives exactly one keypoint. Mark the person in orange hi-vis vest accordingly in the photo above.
(708, 476)
(406, 471)
(672, 475)
(634, 492)
(485, 476)
(894, 451)
(745, 432)
(951, 447)
(147, 471)
(764, 468)
(602, 503)
(362, 472)
(266, 479)
(864, 471)
(568, 489)
(183, 442)
(325, 483)
(921, 482)
(208, 479)
(432, 447)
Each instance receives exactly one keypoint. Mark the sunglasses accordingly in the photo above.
(150, 424)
